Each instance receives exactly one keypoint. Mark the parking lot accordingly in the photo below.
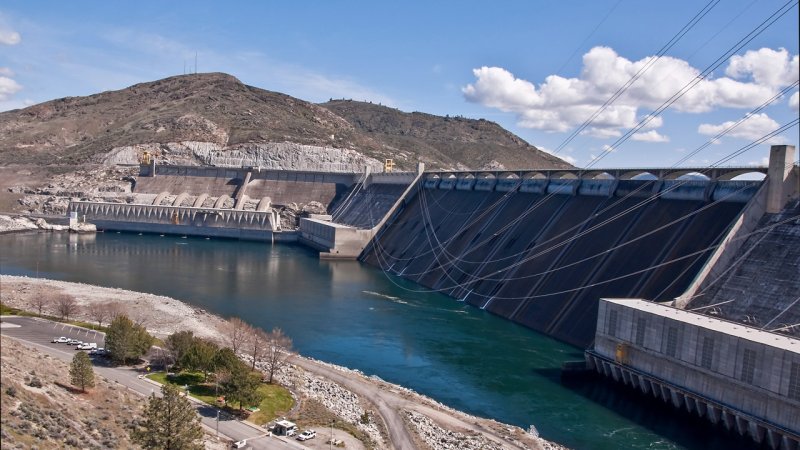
(37, 331)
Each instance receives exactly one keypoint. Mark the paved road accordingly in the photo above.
(39, 332)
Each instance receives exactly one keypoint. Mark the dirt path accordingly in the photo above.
(399, 436)
(392, 403)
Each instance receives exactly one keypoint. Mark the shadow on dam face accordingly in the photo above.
(544, 260)
(663, 419)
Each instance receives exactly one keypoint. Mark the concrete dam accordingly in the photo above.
(539, 248)
(542, 252)
(678, 286)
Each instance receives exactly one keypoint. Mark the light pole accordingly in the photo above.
(216, 397)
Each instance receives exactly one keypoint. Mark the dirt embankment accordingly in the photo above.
(161, 315)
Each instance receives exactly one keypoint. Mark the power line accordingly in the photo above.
(760, 28)
(664, 49)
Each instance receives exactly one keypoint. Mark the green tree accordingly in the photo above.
(226, 360)
(127, 341)
(200, 356)
(80, 371)
(170, 423)
(242, 386)
(179, 343)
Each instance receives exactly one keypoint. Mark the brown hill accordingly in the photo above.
(217, 108)
(444, 141)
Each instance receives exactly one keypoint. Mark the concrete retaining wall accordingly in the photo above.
(710, 367)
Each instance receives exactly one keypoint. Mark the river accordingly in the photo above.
(357, 316)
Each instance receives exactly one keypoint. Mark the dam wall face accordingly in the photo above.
(542, 252)
(281, 186)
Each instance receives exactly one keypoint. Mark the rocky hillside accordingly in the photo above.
(208, 116)
(441, 142)
(40, 409)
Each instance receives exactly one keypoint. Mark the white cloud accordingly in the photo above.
(560, 104)
(794, 101)
(755, 127)
(765, 66)
(650, 136)
(9, 37)
(566, 158)
(8, 87)
(6, 72)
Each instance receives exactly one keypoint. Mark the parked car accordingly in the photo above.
(239, 444)
(60, 340)
(306, 435)
(73, 342)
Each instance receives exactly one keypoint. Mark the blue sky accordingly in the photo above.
(538, 68)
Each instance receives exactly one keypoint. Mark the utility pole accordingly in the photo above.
(216, 397)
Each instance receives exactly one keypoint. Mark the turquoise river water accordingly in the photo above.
(355, 315)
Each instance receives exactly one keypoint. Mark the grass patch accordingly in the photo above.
(277, 401)
(9, 311)
(194, 380)
(78, 323)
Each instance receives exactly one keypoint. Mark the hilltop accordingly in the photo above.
(218, 113)
(446, 142)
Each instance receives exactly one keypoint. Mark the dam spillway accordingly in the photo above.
(542, 252)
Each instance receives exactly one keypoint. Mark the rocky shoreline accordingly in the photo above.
(434, 425)
(13, 224)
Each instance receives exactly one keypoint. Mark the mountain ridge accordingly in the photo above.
(218, 108)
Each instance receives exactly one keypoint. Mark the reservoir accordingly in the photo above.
(357, 316)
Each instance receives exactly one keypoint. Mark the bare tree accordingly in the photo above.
(235, 332)
(65, 306)
(114, 309)
(39, 302)
(99, 312)
(256, 345)
(277, 351)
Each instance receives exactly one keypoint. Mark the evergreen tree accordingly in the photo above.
(179, 342)
(170, 423)
(242, 386)
(81, 372)
(200, 356)
(226, 360)
(127, 341)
